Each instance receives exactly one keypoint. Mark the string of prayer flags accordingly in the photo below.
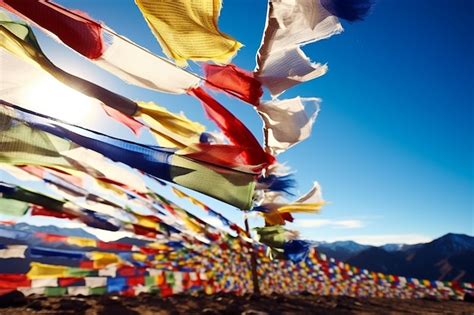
(151, 222)
(187, 30)
(286, 122)
(230, 186)
(209, 211)
(214, 269)
(37, 148)
(23, 195)
(119, 55)
(18, 39)
(169, 129)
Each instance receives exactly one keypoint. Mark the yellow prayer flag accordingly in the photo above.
(102, 260)
(111, 187)
(192, 225)
(158, 246)
(169, 129)
(301, 207)
(194, 201)
(160, 257)
(140, 257)
(187, 29)
(43, 271)
(144, 221)
(209, 290)
(81, 242)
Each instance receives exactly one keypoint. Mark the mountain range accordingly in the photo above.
(450, 257)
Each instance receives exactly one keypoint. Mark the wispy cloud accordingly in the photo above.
(382, 239)
(343, 224)
(214, 221)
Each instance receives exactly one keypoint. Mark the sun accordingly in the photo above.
(50, 97)
(27, 85)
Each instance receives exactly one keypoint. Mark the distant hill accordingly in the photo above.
(341, 250)
(133, 241)
(24, 227)
(450, 257)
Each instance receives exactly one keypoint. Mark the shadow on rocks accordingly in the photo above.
(14, 298)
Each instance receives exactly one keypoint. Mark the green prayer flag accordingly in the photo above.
(13, 207)
(98, 291)
(169, 277)
(79, 272)
(55, 291)
(150, 281)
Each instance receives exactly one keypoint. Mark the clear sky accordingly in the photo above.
(393, 144)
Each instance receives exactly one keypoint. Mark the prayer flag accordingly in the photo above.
(281, 63)
(234, 81)
(12, 251)
(286, 122)
(188, 29)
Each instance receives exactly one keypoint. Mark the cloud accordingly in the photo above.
(342, 224)
(218, 224)
(214, 221)
(382, 239)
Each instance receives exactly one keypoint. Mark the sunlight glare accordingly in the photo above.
(52, 98)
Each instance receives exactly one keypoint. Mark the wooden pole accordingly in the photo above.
(253, 262)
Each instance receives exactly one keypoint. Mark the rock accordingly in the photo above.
(469, 297)
(73, 305)
(254, 312)
(13, 298)
(35, 305)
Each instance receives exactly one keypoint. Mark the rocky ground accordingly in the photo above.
(229, 304)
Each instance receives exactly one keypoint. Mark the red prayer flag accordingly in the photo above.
(114, 246)
(73, 28)
(287, 216)
(234, 81)
(129, 271)
(13, 281)
(131, 123)
(234, 129)
(37, 210)
(166, 291)
(134, 281)
(70, 282)
(141, 230)
(151, 251)
(128, 292)
(86, 264)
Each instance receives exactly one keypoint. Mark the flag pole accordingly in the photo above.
(253, 260)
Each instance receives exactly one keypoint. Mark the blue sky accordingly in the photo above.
(393, 144)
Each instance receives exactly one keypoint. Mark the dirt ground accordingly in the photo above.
(231, 304)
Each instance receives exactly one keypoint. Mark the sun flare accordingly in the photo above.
(53, 98)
